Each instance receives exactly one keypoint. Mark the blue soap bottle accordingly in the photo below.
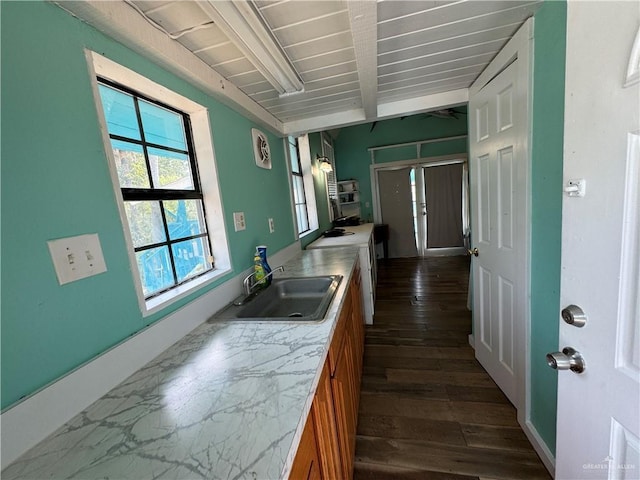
(258, 269)
(262, 252)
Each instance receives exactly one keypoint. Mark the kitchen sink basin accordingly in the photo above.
(291, 299)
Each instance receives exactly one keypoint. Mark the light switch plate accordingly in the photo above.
(238, 221)
(78, 257)
(272, 227)
(576, 188)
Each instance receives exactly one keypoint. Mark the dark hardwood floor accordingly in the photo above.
(428, 410)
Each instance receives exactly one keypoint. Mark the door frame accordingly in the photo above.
(520, 48)
(414, 162)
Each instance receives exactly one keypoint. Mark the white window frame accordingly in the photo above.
(331, 179)
(308, 173)
(205, 159)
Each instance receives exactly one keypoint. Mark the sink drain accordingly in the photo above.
(295, 314)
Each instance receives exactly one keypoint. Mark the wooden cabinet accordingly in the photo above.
(324, 421)
(306, 465)
(330, 431)
(343, 385)
(357, 310)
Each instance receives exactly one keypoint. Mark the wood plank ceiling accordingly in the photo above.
(357, 60)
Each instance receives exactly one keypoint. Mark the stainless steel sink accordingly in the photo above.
(290, 299)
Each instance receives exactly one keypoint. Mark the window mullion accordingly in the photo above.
(149, 144)
(142, 194)
(143, 139)
(171, 242)
(168, 243)
(300, 206)
(192, 153)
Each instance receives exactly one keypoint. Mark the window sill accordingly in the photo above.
(308, 232)
(156, 304)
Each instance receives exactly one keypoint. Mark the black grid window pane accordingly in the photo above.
(130, 164)
(154, 156)
(162, 126)
(294, 155)
(297, 181)
(298, 190)
(170, 169)
(145, 223)
(303, 222)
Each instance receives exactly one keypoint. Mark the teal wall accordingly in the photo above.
(56, 183)
(546, 210)
(353, 159)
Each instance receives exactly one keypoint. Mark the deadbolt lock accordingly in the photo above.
(574, 315)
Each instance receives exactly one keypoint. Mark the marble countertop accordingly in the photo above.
(228, 401)
(358, 235)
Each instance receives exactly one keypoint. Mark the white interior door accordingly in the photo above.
(598, 423)
(498, 169)
(396, 209)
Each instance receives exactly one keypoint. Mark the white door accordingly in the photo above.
(396, 210)
(598, 423)
(498, 169)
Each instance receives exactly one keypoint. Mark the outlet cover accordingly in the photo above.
(238, 221)
(272, 227)
(78, 257)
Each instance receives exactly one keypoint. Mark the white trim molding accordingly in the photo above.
(546, 455)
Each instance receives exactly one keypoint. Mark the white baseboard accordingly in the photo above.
(472, 341)
(39, 415)
(546, 455)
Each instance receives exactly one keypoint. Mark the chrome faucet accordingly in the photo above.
(248, 284)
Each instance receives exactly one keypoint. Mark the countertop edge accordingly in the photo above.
(341, 294)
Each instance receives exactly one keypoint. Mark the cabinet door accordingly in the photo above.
(324, 420)
(345, 404)
(344, 323)
(357, 321)
(306, 465)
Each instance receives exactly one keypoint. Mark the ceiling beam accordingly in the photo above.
(425, 103)
(386, 111)
(120, 21)
(325, 122)
(363, 17)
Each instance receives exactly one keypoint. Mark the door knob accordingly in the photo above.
(574, 315)
(473, 252)
(568, 359)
